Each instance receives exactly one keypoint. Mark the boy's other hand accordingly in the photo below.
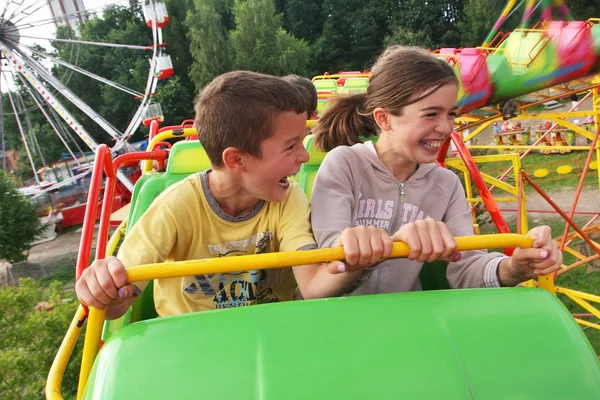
(364, 247)
(428, 240)
(104, 284)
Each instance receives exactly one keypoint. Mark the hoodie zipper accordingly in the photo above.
(393, 230)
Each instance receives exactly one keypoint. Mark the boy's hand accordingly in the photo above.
(104, 284)
(543, 258)
(364, 247)
(428, 240)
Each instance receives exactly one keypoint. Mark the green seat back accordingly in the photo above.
(492, 344)
(186, 157)
(308, 171)
(326, 85)
(356, 85)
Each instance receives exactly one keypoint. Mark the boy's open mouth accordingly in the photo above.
(284, 182)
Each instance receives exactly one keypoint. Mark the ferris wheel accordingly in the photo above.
(28, 65)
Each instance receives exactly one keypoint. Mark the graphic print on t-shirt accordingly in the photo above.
(237, 289)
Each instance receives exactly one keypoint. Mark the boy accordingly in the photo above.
(308, 90)
(252, 127)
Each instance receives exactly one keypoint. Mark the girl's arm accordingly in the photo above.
(331, 218)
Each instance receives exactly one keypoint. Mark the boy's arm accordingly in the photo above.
(149, 241)
(331, 214)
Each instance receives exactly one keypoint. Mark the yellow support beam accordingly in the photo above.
(487, 178)
(573, 127)
(535, 148)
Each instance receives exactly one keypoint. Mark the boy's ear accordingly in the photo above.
(233, 160)
(382, 118)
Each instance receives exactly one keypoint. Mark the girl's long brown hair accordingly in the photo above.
(401, 76)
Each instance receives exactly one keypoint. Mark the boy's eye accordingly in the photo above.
(452, 115)
(431, 115)
(291, 147)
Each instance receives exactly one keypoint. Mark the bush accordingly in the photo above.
(20, 226)
(33, 322)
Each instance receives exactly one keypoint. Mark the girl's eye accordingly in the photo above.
(452, 115)
(432, 115)
(291, 147)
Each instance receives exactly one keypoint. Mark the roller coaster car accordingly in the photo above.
(488, 344)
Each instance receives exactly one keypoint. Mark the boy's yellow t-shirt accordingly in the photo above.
(185, 223)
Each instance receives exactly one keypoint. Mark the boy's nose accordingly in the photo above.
(303, 156)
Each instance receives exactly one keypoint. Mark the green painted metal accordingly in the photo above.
(492, 344)
(596, 41)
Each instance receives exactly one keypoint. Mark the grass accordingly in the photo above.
(577, 279)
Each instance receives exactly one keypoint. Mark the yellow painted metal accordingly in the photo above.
(569, 125)
(517, 147)
(581, 295)
(59, 364)
(507, 187)
(115, 238)
(90, 346)
(547, 282)
(577, 299)
(478, 130)
(161, 137)
(575, 253)
(587, 323)
(293, 258)
(336, 76)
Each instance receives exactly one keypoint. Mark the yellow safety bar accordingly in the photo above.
(337, 76)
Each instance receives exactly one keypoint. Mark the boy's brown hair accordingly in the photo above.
(237, 109)
(309, 90)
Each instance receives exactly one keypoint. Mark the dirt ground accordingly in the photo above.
(64, 243)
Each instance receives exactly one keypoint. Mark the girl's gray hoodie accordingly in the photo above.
(353, 187)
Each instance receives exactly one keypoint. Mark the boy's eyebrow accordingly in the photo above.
(293, 139)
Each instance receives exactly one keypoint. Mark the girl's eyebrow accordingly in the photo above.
(438, 108)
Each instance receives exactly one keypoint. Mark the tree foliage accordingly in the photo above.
(19, 224)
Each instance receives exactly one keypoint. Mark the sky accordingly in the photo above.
(46, 30)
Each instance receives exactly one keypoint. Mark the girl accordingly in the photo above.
(368, 195)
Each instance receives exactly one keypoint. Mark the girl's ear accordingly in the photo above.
(382, 119)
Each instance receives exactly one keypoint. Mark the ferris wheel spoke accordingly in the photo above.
(35, 98)
(20, 127)
(85, 72)
(27, 63)
(92, 43)
(40, 4)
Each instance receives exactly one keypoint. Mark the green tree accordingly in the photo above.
(20, 226)
(353, 34)
(432, 20)
(208, 43)
(304, 19)
(260, 43)
(478, 18)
